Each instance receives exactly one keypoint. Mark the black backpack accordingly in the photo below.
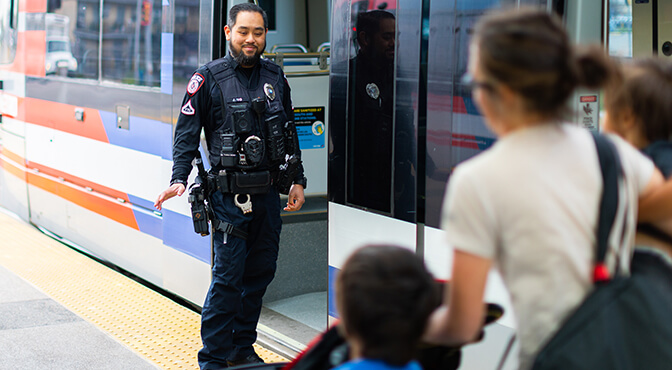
(626, 321)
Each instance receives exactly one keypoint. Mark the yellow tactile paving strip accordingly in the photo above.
(152, 325)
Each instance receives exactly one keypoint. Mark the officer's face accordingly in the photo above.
(383, 40)
(247, 38)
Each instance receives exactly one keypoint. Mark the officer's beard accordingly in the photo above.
(244, 60)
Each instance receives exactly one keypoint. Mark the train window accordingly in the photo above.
(131, 48)
(620, 28)
(185, 36)
(371, 110)
(269, 8)
(456, 130)
(8, 30)
(71, 31)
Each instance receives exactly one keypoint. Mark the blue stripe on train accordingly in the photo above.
(331, 299)
(178, 233)
(148, 221)
(144, 135)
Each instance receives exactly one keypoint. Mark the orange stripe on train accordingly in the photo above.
(31, 49)
(33, 6)
(62, 117)
(11, 168)
(11, 155)
(78, 181)
(105, 206)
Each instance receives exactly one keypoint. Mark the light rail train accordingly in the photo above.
(90, 91)
(90, 95)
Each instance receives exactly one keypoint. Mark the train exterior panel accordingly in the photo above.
(89, 99)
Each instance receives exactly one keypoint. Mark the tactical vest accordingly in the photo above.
(250, 137)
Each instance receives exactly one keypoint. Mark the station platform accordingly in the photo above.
(60, 309)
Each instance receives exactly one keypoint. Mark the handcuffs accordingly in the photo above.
(245, 206)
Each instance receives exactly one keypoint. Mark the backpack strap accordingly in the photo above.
(610, 165)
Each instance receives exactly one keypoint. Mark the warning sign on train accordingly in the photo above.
(310, 127)
(588, 112)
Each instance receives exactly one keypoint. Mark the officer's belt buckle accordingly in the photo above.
(245, 206)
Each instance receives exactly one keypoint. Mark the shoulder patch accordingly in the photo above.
(187, 109)
(195, 83)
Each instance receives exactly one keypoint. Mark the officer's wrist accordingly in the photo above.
(302, 181)
(176, 181)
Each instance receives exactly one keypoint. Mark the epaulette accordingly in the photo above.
(221, 69)
(271, 66)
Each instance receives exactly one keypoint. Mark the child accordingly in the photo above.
(639, 111)
(384, 295)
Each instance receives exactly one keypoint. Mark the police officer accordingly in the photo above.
(372, 84)
(243, 104)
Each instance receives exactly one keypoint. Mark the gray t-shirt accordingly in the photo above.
(530, 203)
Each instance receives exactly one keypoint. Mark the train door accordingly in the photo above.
(397, 131)
(298, 41)
(651, 27)
(13, 193)
(373, 137)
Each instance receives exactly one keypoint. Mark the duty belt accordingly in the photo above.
(229, 182)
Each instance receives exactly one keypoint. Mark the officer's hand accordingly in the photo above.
(175, 189)
(296, 198)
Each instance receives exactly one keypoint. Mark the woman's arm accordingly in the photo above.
(459, 319)
(655, 202)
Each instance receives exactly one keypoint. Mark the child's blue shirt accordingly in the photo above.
(366, 364)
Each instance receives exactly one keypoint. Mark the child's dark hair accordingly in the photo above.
(529, 51)
(646, 92)
(385, 296)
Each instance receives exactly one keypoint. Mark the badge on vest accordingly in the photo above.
(269, 91)
(372, 90)
(187, 109)
(195, 83)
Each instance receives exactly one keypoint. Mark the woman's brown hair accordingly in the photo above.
(529, 51)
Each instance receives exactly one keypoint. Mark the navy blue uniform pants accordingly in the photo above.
(240, 274)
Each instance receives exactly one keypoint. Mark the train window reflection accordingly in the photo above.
(132, 42)
(620, 28)
(371, 111)
(71, 32)
(185, 40)
(269, 8)
(8, 30)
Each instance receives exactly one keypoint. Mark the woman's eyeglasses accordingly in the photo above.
(469, 80)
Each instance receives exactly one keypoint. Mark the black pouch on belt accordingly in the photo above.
(249, 183)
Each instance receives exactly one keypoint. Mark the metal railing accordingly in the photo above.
(319, 59)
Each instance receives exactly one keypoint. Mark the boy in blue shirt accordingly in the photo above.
(384, 295)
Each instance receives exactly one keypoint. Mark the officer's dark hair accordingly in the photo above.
(645, 92)
(529, 51)
(384, 296)
(369, 22)
(246, 7)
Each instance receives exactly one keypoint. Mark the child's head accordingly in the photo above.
(639, 108)
(384, 295)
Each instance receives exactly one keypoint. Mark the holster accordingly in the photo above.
(258, 182)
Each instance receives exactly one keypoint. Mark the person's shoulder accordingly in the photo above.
(661, 154)
(217, 64)
(270, 65)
